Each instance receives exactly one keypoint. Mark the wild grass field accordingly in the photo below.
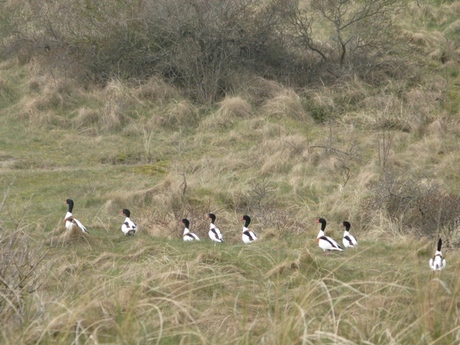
(381, 152)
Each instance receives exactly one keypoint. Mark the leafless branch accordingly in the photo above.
(335, 150)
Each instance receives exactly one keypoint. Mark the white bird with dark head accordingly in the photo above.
(187, 235)
(128, 227)
(248, 236)
(326, 243)
(214, 232)
(70, 222)
(349, 241)
(437, 262)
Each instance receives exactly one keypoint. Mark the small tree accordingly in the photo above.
(348, 32)
(204, 42)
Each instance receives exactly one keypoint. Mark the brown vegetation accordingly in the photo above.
(270, 108)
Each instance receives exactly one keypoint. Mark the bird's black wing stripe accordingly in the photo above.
(247, 233)
(349, 240)
(328, 240)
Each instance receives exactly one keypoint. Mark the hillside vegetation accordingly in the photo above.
(283, 110)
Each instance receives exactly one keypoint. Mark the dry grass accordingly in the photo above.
(157, 91)
(251, 294)
(86, 118)
(283, 156)
(234, 108)
(181, 113)
(452, 29)
(285, 104)
(230, 110)
(256, 89)
(281, 289)
(279, 154)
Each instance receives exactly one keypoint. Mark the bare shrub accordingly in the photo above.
(357, 33)
(419, 205)
(197, 45)
(396, 194)
(260, 199)
(439, 215)
(20, 275)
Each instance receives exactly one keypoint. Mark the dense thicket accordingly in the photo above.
(202, 45)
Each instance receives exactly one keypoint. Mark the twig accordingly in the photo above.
(184, 183)
(335, 150)
(5, 195)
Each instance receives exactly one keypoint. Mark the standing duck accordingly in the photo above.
(187, 235)
(326, 243)
(214, 232)
(70, 222)
(437, 262)
(349, 241)
(128, 227)
(248, 236)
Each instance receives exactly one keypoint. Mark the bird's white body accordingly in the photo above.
(437, 262)
(215, 234)
(72, 223)
(128, 227)
(326, 243)
(248, 236)
(349, 241)
(189, 236)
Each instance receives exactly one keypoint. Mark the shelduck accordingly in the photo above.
(128, 227)
(349, 241)
(187, 235)
(326, 243)
(70, 222)
(214, 232)
(248, 236)
(437, 262)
